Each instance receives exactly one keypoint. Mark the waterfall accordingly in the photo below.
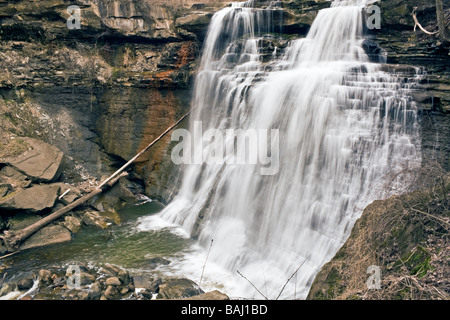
(344, 127)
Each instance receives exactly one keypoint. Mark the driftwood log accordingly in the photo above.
(13, 239)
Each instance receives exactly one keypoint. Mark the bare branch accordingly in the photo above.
(252, 284)
(282, 289)
(417, 24)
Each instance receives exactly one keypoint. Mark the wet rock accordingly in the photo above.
(26, 281)
(147, 294)
(45, 277)
(156, 261)
(124, 277)
(113, 281)
(71, 193)
(58, 281)
(111, 269)
(111, 293)
(40, 161)
(124, 291)
(52, 234)
(83, 295)
(86, 278)
(5, 289)
(72, 223)
(3, 248)
(212, 295)
(144, 282)
(100, 219)
(178, 288)
(115, 198)
(34, 199)
(95, 291)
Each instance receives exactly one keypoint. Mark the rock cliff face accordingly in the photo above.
(102, 92)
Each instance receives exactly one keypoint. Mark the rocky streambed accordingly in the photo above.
(93, 252)
(108, 282)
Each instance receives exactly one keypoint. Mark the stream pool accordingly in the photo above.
(131, 247)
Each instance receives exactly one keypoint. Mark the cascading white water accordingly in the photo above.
(344, 126)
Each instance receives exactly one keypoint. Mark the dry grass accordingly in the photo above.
(407, 236)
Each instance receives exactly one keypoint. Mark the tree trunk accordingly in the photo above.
(443, 31)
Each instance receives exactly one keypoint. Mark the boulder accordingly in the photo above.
(101, 219)
(71, 195)
(110, 269)
(22, 220)
(178, 288)
(72, 223)
(48, 235)
(26, 282)
(113, 281)
(14, 178)
(86, 278)
(115, 198)
(212, 295)
(146, 282)
(111, 293)
(95, 291)
(34, 199)
(45, 277)
(40, 161)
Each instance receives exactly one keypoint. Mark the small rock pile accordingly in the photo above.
(30, 188)
(108, 282)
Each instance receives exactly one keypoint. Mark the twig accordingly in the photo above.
(282, 289)
(7, 255)
(430, 215)
(204, 265)
(62, 196)
(417, 24)
(252, 284)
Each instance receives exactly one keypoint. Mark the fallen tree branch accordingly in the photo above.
(252, 284)
(204, 265)
(282, 289)
(13, 239)
(417, 24)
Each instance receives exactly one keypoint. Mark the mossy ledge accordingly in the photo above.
(407, 237)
